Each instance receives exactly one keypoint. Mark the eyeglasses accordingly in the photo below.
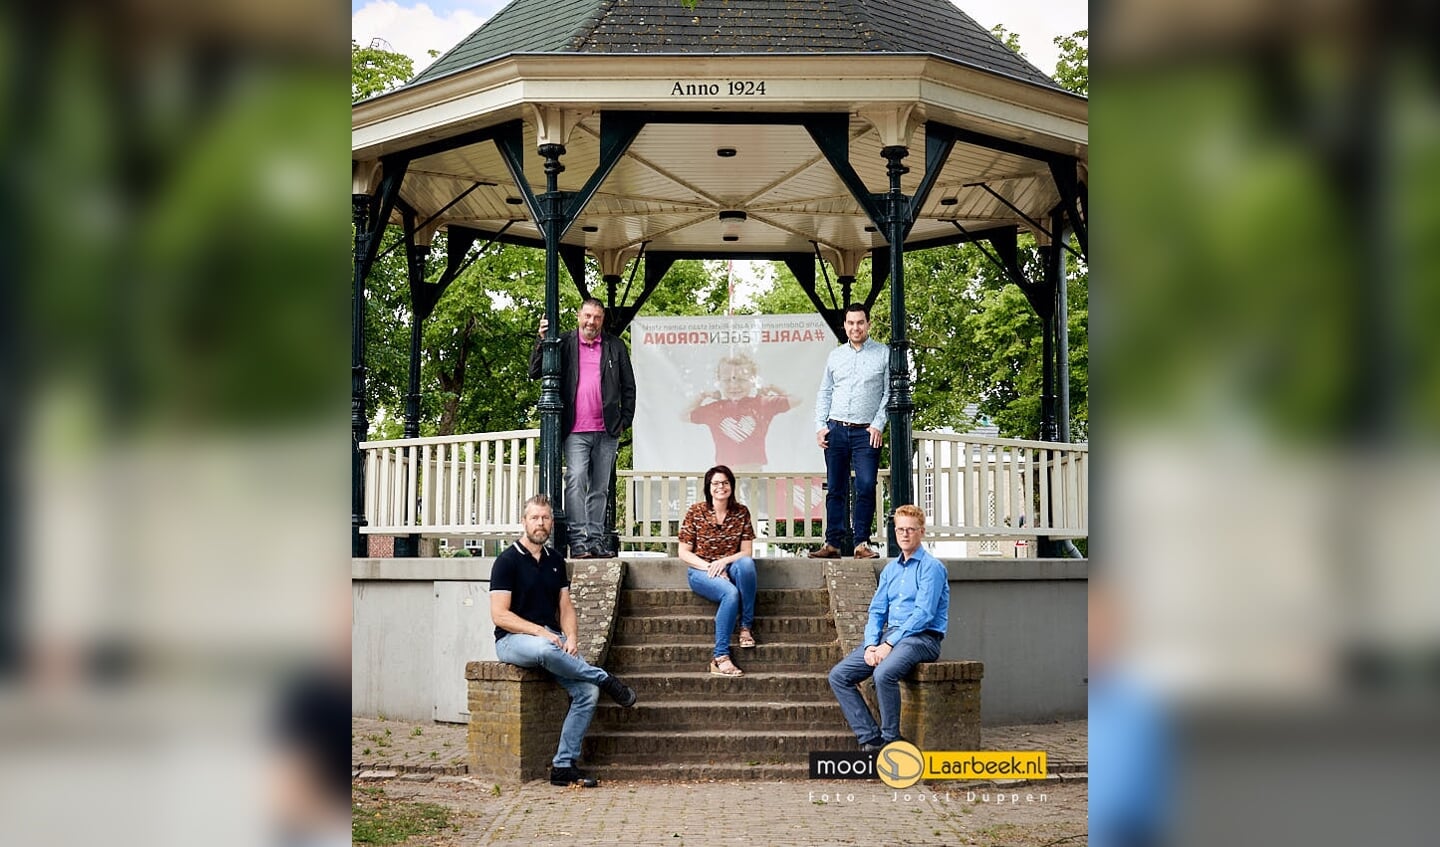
(719, 483)
(909, 529)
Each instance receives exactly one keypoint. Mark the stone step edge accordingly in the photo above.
(728, 704)
(398, 768)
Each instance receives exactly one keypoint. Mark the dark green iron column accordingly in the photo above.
(370, 215)
(1062, 331)
(1053, 257)
(361, 206)
(552, 215)
(408, 546)
(612, 538)
(901, 403)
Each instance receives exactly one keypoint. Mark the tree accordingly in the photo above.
(1008, 38)
(374, 70)
(1072, 70)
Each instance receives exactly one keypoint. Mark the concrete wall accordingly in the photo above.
(1025, 619)
(416, 622)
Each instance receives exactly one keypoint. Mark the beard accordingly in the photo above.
(538, 537)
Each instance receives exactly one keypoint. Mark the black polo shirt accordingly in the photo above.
(534, 586)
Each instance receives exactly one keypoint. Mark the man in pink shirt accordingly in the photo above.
(597, 384)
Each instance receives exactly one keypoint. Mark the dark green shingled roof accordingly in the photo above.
(735, 26)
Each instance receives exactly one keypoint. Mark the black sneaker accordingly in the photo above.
(618, 691)
(871, 747)
(568, 775)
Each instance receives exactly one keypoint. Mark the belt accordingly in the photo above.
(850, 425)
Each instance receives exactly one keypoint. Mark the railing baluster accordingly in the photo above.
(372, 462)
(468, 516)
(399, 484)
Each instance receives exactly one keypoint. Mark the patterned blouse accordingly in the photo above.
(711, 542)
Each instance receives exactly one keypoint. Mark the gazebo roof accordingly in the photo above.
(735, 26)
(779, 109)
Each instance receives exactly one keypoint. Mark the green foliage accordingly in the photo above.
(1009, 39)
(1072, 70)
(691, 287)
(374, 71)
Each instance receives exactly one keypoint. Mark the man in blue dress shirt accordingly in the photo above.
(908, 616)
(850, 426)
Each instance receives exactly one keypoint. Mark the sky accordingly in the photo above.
(413, 28)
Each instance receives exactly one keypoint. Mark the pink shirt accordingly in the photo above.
(589, 411)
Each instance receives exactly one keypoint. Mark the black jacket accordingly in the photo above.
(617, 381)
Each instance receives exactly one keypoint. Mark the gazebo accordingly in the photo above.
(769, 129)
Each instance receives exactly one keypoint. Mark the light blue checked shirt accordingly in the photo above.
(855, 386)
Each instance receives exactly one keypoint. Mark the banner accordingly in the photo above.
(737, 391)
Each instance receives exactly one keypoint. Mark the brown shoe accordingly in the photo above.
(863, 551)
(826, 551)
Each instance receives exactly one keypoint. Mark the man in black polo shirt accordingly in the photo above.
(536, 627)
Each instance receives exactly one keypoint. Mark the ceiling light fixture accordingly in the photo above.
(726, 152)
(730, 221)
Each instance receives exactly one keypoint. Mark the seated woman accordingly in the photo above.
(717, 541)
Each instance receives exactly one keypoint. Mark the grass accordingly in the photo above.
(376, 819)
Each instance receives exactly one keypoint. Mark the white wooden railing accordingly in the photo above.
(971, 487)
(450, 485)
(788, 507)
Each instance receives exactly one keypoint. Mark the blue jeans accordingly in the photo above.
(849, 448)
(589, 459)
(852, 670)
(580, 679)
(735, 592)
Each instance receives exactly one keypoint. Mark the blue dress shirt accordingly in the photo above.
(913, 595)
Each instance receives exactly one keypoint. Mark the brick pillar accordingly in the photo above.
(595, 591)
(940, 705)
(515, 718)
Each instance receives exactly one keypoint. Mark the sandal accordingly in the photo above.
(746, 638)
(724, 667)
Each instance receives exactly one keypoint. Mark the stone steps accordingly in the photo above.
(776, 602)
(700, 629)
(629, 658)
(607, 746)
(754, 686)
(701, 715)
(689, 724)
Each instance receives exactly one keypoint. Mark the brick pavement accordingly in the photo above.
(783, 813)
(727, 812)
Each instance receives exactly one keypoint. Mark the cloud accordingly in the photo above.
(416, 30)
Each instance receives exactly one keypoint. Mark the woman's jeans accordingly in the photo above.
(578, 677)
(735, 592)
